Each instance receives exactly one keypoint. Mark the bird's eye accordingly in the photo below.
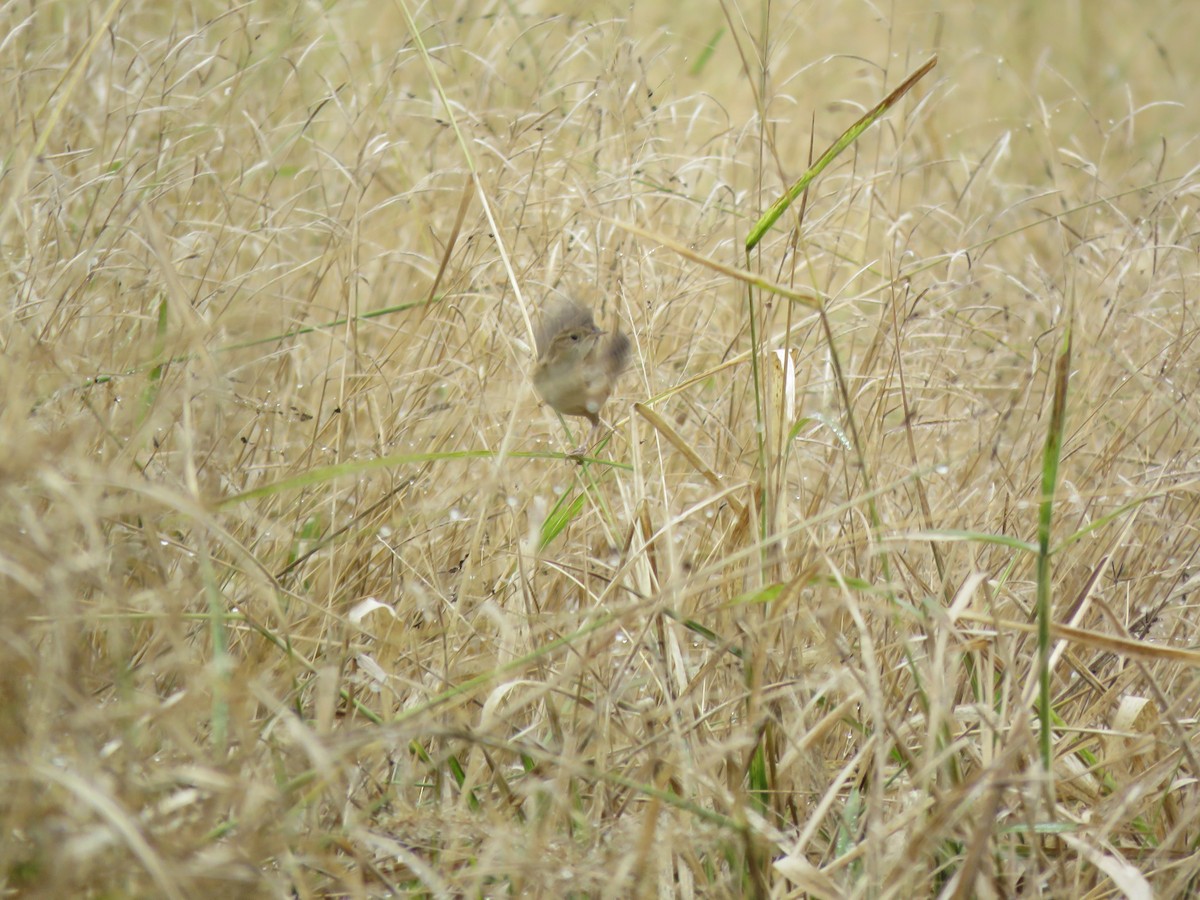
(574, 336)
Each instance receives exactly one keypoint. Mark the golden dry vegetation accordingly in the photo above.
(302, 596)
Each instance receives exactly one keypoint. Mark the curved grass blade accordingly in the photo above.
(848, 137)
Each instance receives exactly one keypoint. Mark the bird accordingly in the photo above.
(578, 364)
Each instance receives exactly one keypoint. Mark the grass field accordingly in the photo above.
(878, 587)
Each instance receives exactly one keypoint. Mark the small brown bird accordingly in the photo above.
(578, 364)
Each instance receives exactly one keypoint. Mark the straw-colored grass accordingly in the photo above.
(302, 596)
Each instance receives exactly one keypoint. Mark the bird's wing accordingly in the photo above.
(618, 353)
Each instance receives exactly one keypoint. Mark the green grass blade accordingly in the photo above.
(848, 137)
(1050, 461)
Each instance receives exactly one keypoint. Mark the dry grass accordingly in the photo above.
(301, 597)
